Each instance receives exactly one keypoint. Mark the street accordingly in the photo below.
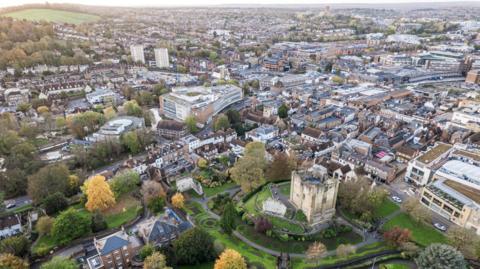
(18, 202)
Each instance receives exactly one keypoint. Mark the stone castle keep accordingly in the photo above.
(315, 193)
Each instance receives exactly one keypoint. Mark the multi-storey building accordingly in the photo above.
(115, 251)
(454, 193)
(137, 53)
(420, 170)
(201, 102)
(161, 57)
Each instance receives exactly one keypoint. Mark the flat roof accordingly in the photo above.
(434, 153)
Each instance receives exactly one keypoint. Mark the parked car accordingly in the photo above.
(440, 226)
(396, 199)
(10, 205)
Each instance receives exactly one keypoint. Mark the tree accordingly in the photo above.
(344, 250)
(315, 251)
(131, 142)
(131, 108)
(187, 248)
(44, 225)
(16, 245)
(156, 261)
(416, 210)
(283, 111)
(230, 259)
(233, 116)
(281, 167)
(178, 200)
(70, 224)
(191, 124)
(54, 203)
(98, 222)
(125, 182)
(397, 236)
(202, 163)
(98, 192)
(440, 256)
(42, 109)
(151, 190)
(338, 80)
(248, 171)
(156, 205)
(146, 251)
(463, 239)
(24, 107)
(221, 123)
(10, 261)
(47, 181)
(2, 202)
(59, 262)
(409, 249)
(262, 225)
(82, 124)
(227, 221)
(109, 113)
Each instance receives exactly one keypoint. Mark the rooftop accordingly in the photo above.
(434, 153)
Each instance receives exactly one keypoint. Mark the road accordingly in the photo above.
(404, 190)
(18, 201)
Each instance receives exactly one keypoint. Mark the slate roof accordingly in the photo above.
(113, 243)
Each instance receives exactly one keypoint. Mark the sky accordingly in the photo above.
(4, 3)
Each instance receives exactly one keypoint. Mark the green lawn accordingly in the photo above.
(422, 234)
(52, 15)
(394, 266)
(296, 246)
(258, 199)
(386, 208)
(366, 250)
(43, 245)
(208, 265)
(214, 191)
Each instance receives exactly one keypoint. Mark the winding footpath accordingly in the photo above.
(368, 237)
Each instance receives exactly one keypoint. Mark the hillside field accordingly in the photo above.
(52, 15)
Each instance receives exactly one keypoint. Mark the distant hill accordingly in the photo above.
(52, 15)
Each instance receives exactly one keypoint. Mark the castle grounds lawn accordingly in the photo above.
(203, 220)
(52, 15)
(394, 266)
(422, 234)
(214, 191)
(296, 246)
(386, 208)
(258, 199)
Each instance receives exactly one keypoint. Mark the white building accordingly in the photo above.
(116, 127)
(137, 53)
(101, 96)
(420, 170)
(161, 57)
(263, 133)
(10, 226)
(275, 207)
(201, 102)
